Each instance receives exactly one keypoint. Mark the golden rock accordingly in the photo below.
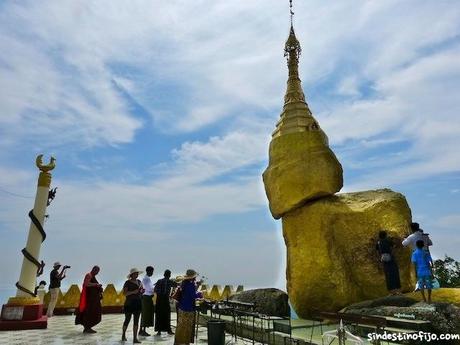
(446, 295)
(301, 165)
(331, 257)
(301, 168)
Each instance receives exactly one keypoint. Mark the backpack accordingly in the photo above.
(177, 295)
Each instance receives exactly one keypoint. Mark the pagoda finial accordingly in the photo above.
(296, 116)
(292, 51)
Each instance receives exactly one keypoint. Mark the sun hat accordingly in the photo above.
(190, 274)
(56, 264)
(133, 270)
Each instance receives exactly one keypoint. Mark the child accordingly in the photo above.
(423, 269)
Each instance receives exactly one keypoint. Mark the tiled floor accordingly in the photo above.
(62, 331)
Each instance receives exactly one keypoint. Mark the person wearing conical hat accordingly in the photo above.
(185, 329)
(133, 290)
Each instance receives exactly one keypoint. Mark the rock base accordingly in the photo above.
(331, 257)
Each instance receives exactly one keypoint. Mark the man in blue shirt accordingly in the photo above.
(423, 269)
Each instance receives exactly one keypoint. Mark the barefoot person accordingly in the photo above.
(185, 330)
(55, 286)
(147, 302)
(163, 308)
(422, 262)
(390, 267)
(133, 290)
(89, 310)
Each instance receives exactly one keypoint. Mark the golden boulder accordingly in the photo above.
(331, 257)
(301, 167)
(445, 295)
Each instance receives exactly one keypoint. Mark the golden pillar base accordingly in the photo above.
(23, 300)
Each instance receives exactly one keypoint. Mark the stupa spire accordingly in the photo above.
(296, 116)
(292, 51)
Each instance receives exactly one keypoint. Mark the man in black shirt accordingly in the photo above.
(54, 287)
(162, 309)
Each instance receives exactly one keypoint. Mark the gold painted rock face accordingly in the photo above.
(331, 257)
(301, 168)
(446, 295)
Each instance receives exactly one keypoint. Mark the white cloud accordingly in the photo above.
(194, 64)
(450, 221)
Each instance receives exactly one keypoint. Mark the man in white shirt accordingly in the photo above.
(147, 302)
(417, 235)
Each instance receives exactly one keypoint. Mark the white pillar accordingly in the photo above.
(28, 277)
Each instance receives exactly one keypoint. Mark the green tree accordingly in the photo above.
(447, 272)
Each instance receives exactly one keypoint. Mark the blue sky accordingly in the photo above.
(160, 117)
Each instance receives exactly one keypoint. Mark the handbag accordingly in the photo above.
(177, 295)
(385, 257)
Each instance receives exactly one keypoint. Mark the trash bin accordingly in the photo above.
(216, 332)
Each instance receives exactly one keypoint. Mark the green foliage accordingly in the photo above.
(447, 272)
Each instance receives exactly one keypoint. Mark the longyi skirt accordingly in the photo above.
(185, 330)
(147, 311)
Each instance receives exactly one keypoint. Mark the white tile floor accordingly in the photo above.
(62, 331)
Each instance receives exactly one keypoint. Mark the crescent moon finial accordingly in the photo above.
(45, 168)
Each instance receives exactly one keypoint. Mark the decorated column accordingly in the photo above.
(25, 306)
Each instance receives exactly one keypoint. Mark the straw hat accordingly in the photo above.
(190, 274)
(133, 270)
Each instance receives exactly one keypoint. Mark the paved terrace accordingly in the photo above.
(62, 331)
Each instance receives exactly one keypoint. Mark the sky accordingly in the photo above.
(160, 115)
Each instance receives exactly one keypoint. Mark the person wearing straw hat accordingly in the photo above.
(185, 329)
(133, 290)
(55, 286)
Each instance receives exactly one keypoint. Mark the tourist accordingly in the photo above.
(89, 311)
(133, 290)
(55, 285)
(390, 267)
(185, 330)
(423, 269)
(147, 302)
(40, 291)
(163, 308)
(417, 234)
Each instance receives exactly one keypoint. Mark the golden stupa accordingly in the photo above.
(330, 238)
(301, 165)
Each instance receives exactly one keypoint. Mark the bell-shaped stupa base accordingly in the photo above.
(301, 168)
